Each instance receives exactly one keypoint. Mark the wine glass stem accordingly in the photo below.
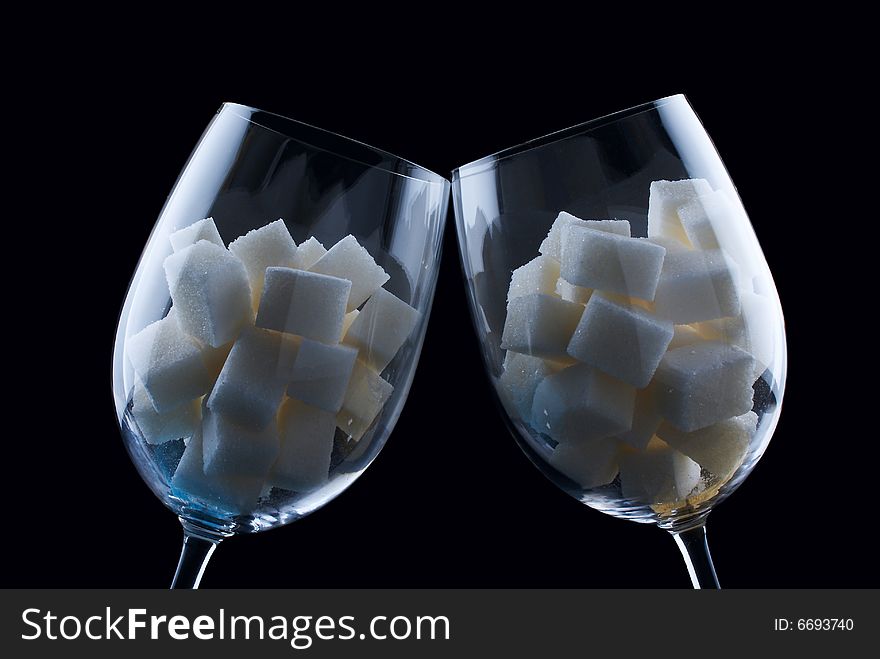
(695, 551)
(194, 556)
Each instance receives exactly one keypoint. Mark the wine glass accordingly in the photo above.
(271, 330)
(627, 317)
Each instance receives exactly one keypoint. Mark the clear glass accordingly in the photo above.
(623, 385)
(250, 168)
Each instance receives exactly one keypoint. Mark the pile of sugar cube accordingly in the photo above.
(637, 356)
(267, 349)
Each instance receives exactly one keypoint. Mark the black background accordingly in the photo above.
(106, 126)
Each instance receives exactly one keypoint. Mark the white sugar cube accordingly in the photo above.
(685, 335)
(589, 464)
(629, 301)
(201, 230)
(703, 218)
(347, 259)
(169, 364)
(719, 448)
(270, 245)
(669, 244)
(610, 262)
(537, 276)
(572, 293)
(703, 383)
(215, 358)
(717, 220)
(659, 474)
(321, 374)
(696, 286)
(581, 403)
(664, 200)
(210, 290)
(553, 244)
(306, 444)
(308, 253)
(622, 340)
(366, 395)
(646, 418)
(347, 322)
(619, 227)
(382, 327)
(540, 325)
(235, 494)
(304, 303)
(520, 378)
(753, 329)
(249, 389)
(158, 428)
(231, 450)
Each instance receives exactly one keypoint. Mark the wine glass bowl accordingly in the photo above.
(270, 333)
(627, 317)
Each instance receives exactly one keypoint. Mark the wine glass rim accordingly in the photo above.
(481, 164)
(382, 159)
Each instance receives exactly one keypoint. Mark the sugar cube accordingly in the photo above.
(520, 378)
(646, 418)
(214, 359)
(540, 325)
(718, 220)
(696, 286)
(572, 293)
(619, 227)
(383, 325)
(553, 244)
(669, 244)
(169, 364)
(753, 329)
(719, 448)
(210, 290)
(306, 444)
(622, 340)
(589, 464)
(703, 383)
(629, 301)
(610, 262)
(308, 253)
(366, 395)
(270, 245)
(685, 335)
(664, 200)
(581, 403)
(321, 373)
(233, 450)
(347, 321)
(201, 230)
(701, 217)
(537, 276)
(249, 389)
(158, 428)
(304, 303)
(347, 259)
(658, 474)
(234, 494)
